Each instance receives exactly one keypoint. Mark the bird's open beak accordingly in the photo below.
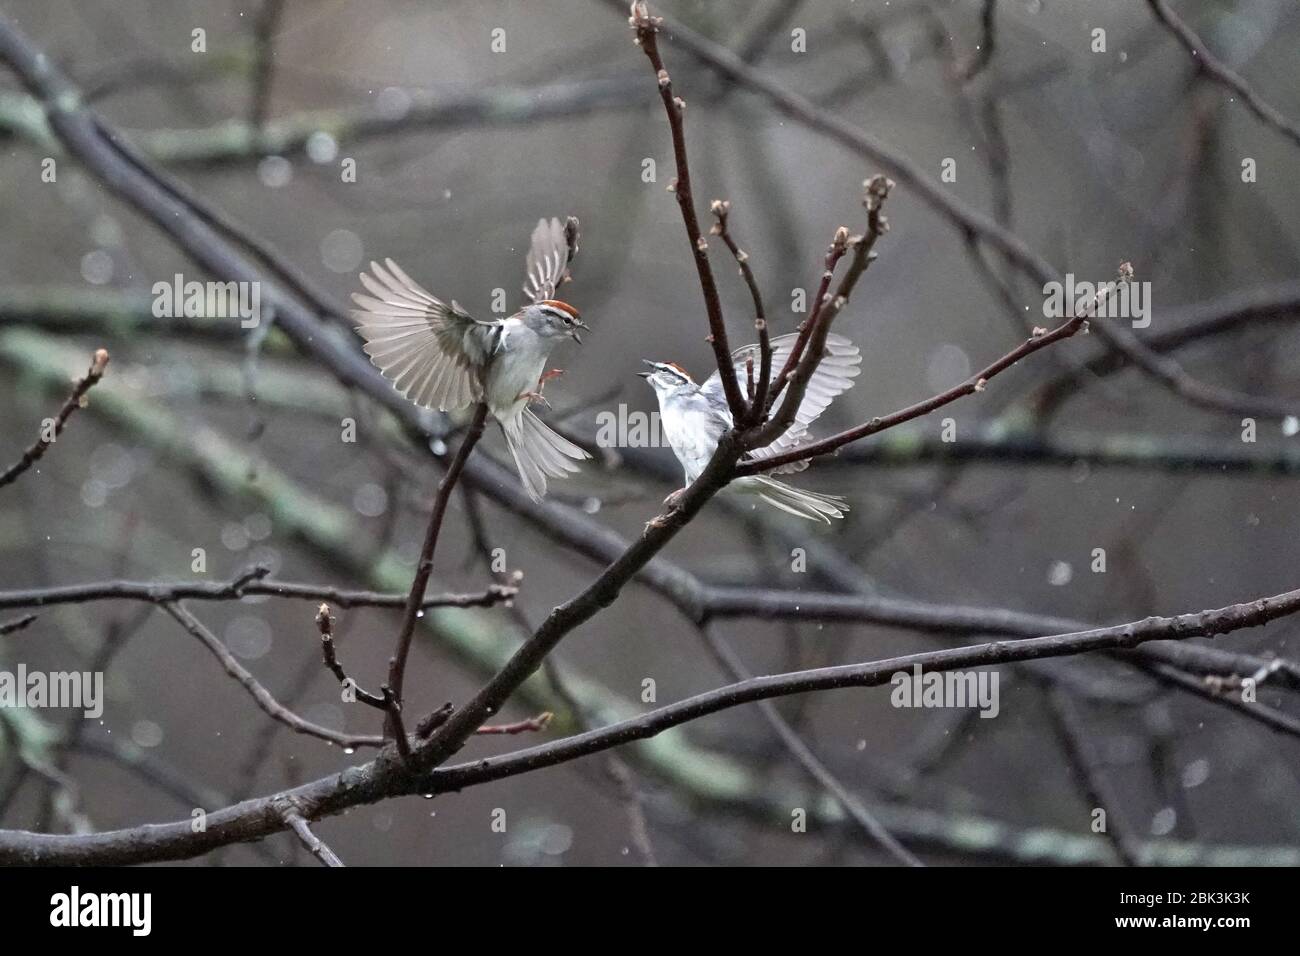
(646, 374)
(578, 324)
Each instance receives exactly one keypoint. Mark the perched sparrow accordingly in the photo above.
(439, 356)
(694, 417)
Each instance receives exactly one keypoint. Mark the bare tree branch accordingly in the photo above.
(646, 28)
(312, 842)
(161, 592)
(386, 776)
(75, 400)
(424, 567)
(263, 697)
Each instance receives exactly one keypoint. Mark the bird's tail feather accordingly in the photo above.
(802, 504)
(539, 452)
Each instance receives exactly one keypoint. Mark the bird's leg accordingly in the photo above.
(533, 397)
(537, 396)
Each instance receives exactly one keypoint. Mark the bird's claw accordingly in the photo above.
(534, 397)
(547, 376)
(675, 498)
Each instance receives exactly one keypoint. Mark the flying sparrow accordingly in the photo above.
(439, 356)
(694, 417)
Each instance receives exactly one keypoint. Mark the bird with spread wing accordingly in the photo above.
(439, 356)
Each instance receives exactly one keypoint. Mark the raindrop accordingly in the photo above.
(249, 637)
(1196, 773)
(97, 267)
(1059, 574)
(145, 733)
(1162, 824)
(393, 102)
(947, 364)
(370, 500)
(275, 171)
(341, 250)
(321, 147)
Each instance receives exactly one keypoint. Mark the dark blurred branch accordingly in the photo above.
(1187, 325)
(17, 624)
(987, 44)
(75, 400)
(158, 592)
(238, 141)
(1081, 749)
(1221, 73)
(799, 749)
(264, 29)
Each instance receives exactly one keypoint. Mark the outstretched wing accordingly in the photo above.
(552, 248)
(834, 376)
(431, 351)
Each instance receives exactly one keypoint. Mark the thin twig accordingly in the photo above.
(298, 823)
(646, 28)
(260, 694)
(75, 400)
(975, 383)
(160, 592)
(325, 624)
(17, 624)
(834, 252)
(397, 666)
(539, 722)
(791, 395)
(759, 384)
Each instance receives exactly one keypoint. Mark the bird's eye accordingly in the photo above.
(567, 320)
